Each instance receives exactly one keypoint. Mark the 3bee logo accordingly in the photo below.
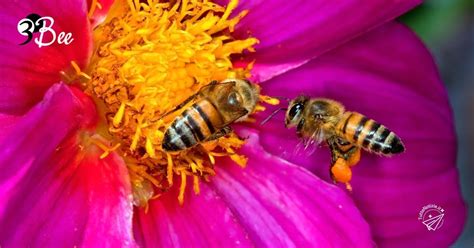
(34, 23)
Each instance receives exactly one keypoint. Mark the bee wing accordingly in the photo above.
(220, 133)
(305, 147)
(202, 91)
(308, 145)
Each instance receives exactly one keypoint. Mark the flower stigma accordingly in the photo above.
(150, 56)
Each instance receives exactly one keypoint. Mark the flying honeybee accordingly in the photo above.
(214, 108)
(320, 119)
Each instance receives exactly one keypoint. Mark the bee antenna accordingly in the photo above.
(282, 98)
(271, 115)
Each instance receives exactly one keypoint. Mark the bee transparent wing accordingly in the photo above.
(305, 147)
(201, 91)
(220, 133)
(308, 145)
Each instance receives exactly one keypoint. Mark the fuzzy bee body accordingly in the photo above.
(320, 119)
(368, 134)
(193, 126)
(213, 109)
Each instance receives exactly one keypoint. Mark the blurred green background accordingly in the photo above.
(447, 28)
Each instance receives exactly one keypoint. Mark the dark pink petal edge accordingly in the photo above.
(55, 192)
(293, 32)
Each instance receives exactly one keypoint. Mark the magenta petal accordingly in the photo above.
(293, 32)
(205, 220)
(52, 192)
(270, 203)
(28, 71)
(390, 76)
(283, 205)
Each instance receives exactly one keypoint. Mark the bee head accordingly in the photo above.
(295, 111)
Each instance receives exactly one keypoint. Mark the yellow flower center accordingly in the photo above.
(149, 57)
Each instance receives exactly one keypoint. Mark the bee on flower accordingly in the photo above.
(90, 131)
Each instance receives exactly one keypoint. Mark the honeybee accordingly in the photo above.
(215, 107)
(320, 119)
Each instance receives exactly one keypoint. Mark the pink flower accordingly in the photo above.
(54, 191)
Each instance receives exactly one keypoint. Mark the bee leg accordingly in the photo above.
(220, 133)
(340, 170)
(353, 156)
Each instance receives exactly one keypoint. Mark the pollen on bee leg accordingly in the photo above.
(342, 172)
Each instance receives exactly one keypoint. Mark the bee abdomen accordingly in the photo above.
(193, 126)
(370, 134)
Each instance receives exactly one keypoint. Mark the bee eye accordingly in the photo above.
(295, 110)
(233, 99)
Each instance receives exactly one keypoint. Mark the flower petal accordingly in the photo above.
(204, 220)
(293, 32)
(390, 76)
(284, 205)
(271, 203)
(54, 194)
(27, 70)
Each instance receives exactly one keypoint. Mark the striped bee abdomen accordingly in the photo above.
(193, 126)
(369, 134)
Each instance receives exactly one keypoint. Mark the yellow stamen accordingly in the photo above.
(149, 57)
(104, 147)
(94, 4)
(269, 100)
(76, 68)
(182, 188)
(119, 115)
(196, 184)
(169, 169)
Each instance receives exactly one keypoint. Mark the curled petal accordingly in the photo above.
(55, 192)
(293, 32)
(27, 70)
(389, 76)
